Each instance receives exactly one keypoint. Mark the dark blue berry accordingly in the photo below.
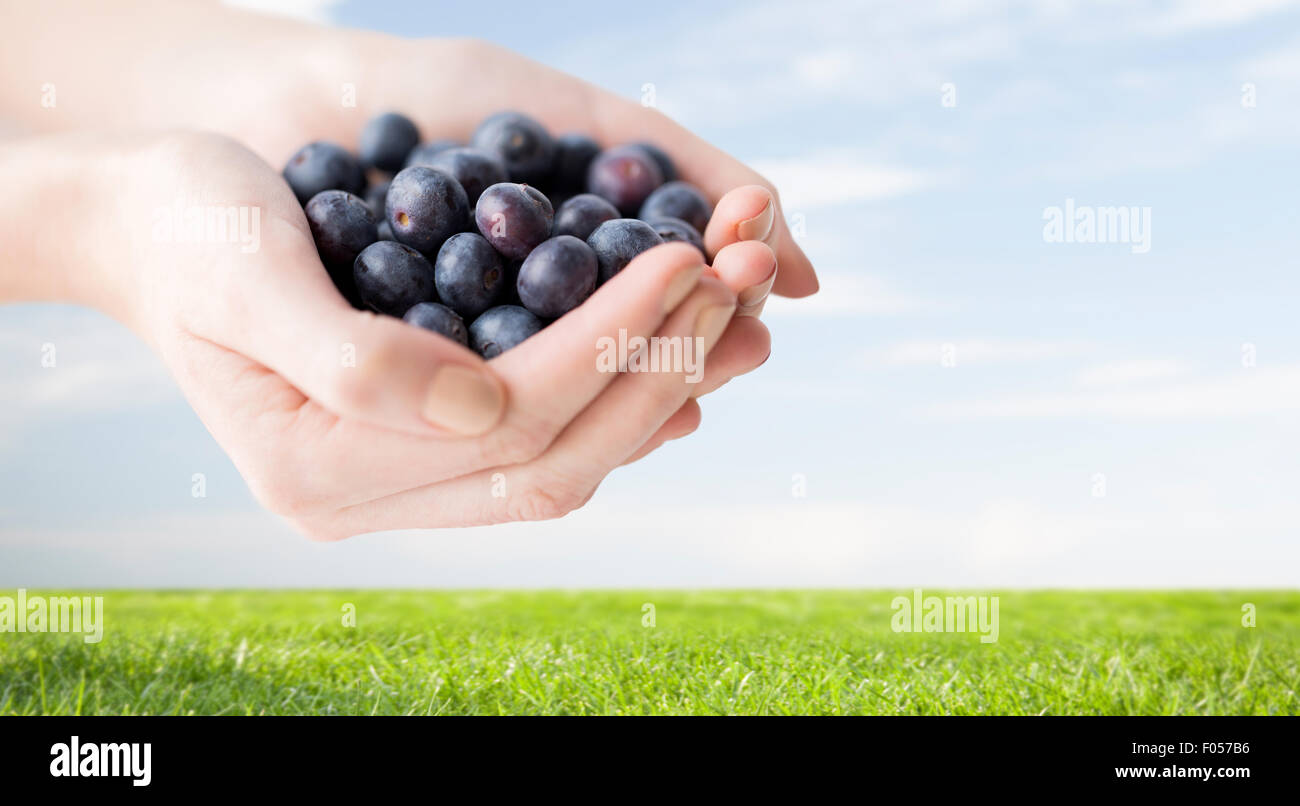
(573, 156)
(423, 153)
(523, 145)
(678, 200)
(439, 319)
(665, 163)
(323, 166)
(617, 242)
(375, 195)
(387, 140)
(625, 176)
(474, 168)
(514, 218)
(500, 328)
(425, 207)
(392, 278)
(341, 225)
(469, 274)
(675, 229)
(557, 276)
(580, 215)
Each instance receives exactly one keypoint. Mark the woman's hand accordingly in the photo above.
(274, 84)
(348, 422)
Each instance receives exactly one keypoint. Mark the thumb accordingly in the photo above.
(359, 364)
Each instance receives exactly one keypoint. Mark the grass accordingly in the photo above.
(710, 652)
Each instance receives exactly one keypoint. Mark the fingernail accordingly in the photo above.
(463, 399)
(758, 227)
(711, 322)
(757, 292)
(681, 286)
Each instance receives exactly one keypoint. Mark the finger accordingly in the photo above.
(743, 348)
(717, 174)
(749, 269)
(603, 436)
(550, 378)
(637, 404)
(681, 424)
(377, 369)
(558, 372)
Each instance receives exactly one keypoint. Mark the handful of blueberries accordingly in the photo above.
(465, 234)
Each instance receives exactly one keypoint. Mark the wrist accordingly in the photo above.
(52, 219)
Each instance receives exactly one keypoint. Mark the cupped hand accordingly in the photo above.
(348, 422)
(448, 86)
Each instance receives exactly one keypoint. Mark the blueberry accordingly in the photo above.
(580, 215)
(617, 242)
(375, 195)
(474, 168)
(341, 225)
(514, 218)
(522, 144)
(675, 229)
(500, 328)
(421, 154)
(624, 176)
(439, 319)
(425, 207)
(468, 274)
(557, 276)
(573, 156)
(323, 166)
(392, 278)
(387, 140)
(665, 163)
(678, 200)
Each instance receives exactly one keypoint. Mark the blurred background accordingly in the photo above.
(967, 403)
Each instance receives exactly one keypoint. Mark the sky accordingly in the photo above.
(972, 401)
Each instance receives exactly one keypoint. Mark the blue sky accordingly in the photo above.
(956, 398)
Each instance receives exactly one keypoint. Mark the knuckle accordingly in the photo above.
(281, 494)
(515, 445)
(282, 484)
(666, 397)
(349, 391)
(544, 503)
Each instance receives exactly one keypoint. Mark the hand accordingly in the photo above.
(417, 431)
(281, 83)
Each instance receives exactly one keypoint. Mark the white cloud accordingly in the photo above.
(1136, 370)
(1283, 63)
(631, 542)
(1188, 16)
(845, 294)
(97, 364)
(837, 176)
(971, 351)
(1246, 393)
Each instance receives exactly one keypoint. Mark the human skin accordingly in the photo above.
(419, 432)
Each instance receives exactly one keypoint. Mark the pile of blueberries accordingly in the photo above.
(448, 234)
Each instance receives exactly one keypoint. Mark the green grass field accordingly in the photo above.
(789, 652)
